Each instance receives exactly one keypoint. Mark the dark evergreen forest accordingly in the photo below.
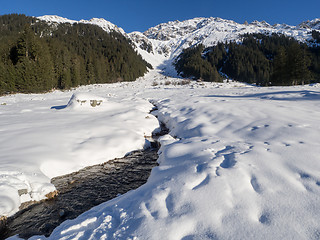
(260, 59)
(37, 57)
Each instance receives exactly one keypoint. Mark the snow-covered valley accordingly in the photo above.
(241, 162)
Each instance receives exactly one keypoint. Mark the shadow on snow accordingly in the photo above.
(304, 95)
(59, 107)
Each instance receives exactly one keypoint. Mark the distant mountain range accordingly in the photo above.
(167, 40)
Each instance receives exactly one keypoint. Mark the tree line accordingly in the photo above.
(37, 57)
(259, 58)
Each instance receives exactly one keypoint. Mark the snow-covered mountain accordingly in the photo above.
(314, 24)
(104, 24)
(209, 31)
(167, 40)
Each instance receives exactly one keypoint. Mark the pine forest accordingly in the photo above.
(38, 57)
(258, 59)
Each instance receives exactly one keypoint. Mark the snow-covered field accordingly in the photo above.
(241, 162)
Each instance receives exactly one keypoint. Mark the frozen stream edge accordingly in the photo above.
(84, 189)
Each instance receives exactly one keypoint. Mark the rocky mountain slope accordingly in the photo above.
(170, 38)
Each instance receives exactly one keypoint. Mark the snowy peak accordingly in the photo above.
(262, 24)
(313, 24)
(104, 24)
(176, 29)
(173, 29)
(56, 19)
(172, 37)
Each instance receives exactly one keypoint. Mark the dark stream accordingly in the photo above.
(82, 190)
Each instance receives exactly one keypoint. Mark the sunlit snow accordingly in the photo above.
(44, 136)
(241, 162)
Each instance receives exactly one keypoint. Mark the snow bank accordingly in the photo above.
(42, 139)
(239, 163)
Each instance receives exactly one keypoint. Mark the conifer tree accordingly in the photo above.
(280, 70)
(297, 65)
(260, 59)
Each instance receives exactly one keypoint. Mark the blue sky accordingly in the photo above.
(139, 15)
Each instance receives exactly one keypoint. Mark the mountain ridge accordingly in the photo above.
(308, 24)
(167, 40)
(101, 22)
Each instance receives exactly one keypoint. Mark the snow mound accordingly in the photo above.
(85, 101)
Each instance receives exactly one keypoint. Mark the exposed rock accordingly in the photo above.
(3, 220)
(27, 204)
(52, 195)
(22, 191)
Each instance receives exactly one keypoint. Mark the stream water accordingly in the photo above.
(82, 190)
